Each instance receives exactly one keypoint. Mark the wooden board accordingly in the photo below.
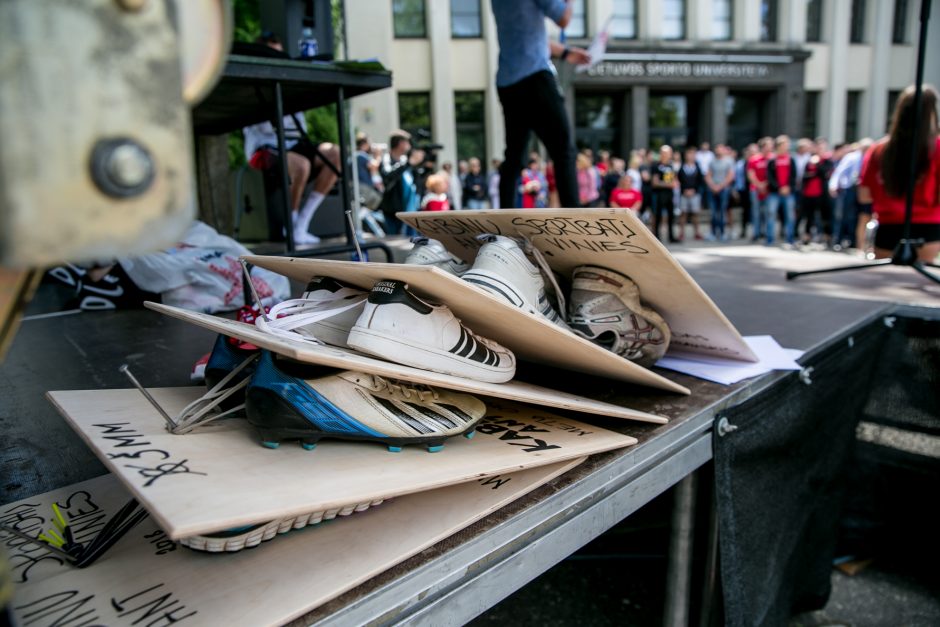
(147, 580)
(610, 238)
(529, 336)
(219, 476)
(342, 358)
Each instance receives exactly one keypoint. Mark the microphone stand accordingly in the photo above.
(905, 253)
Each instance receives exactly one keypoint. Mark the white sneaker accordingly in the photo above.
(398, 326)
(325, 312)
(430, 252)
(605, 308)
(503, 270)
(303, 238)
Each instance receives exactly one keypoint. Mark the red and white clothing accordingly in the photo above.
(627, 198)
(758, 165)
(435, 202)
(890, 209)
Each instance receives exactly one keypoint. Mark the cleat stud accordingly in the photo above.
(435, 448)
(308, 446)
(469, 434)
(268, 444)
(394, 449)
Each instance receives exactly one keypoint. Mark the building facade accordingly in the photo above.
(675, 71)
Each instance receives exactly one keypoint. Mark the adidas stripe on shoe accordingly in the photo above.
(398, 326)
(502, 269)
(292, 401)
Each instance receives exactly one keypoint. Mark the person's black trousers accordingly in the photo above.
(536, 104)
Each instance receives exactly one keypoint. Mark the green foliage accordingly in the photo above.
(321, 124)
(247, 20)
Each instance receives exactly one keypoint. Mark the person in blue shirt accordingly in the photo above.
(529, 92)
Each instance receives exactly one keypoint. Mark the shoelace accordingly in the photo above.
(540, 261)
(199, 411)
(291, 314)
(405, 390)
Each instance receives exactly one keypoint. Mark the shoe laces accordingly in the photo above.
(289, 315)
(405, 390)
(199, 412)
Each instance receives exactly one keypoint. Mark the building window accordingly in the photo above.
(768, 20)
(577, 25)
(722, 19)
(853, 103)
(857, 28)
(814, 17)
(673, 19)
(811, 114)
(899, 29)
(465, 21)
(408, 19)
(893, 96)
(471, 128)
(623, 22)
(414, 113)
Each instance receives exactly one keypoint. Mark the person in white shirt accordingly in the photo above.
(842, 185)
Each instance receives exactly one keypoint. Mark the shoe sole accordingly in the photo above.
(400, 351)
(262, 533)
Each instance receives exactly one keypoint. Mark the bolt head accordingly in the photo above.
(129, 166)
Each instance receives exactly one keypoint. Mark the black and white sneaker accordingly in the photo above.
(398, 326)
(605, 307)
(502, 269)
(430, 252)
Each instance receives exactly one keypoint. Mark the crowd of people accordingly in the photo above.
(772, 191)
(799, 196)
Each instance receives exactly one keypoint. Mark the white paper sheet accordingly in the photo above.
(772, 357)
(598, 47)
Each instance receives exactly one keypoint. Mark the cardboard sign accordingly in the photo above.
(146, 579)
(529, 336)
(219, 476)
(609, 238)
(341, 358)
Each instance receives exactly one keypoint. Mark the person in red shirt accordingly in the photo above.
(756, 170)
(436, 197)
(886, 170)
(625, 196)
(781, 182)
(815, 210)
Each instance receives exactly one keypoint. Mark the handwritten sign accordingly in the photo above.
(234, 481)
(609, 238)
(141, 581)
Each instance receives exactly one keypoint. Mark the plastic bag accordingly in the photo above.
(202, 273)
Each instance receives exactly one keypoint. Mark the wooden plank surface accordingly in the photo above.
(341, 358)
(219, 476)
(147, 579)
(609, 238)
(529, 336)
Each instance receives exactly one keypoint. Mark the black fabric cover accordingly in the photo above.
(779, 481)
